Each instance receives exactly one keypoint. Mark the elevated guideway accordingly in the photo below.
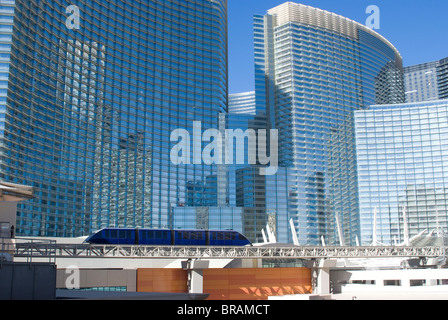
(57, 251)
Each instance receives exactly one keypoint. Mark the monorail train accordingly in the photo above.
(168, 237)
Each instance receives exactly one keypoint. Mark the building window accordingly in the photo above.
(392, 283)
(417, 283)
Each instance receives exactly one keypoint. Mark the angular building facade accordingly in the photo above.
(402, 170)
(94, 93)
(313, 69)
(427, 81)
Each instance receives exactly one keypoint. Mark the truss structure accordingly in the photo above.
(39, 250)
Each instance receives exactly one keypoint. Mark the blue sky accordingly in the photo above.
(418, 29)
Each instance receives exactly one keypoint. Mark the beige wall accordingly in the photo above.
(8, 212)
(89, 278)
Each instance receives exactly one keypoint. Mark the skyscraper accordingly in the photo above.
(242, 103)
(6, 22)
(427, 81)
(403, 172)
(94, 93)
(313, 69)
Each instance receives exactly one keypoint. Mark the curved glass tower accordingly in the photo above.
(94, 93)
(313, 70)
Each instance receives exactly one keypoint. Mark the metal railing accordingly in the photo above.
(10, 248)
(53, 251)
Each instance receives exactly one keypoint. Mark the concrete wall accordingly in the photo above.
(97, 278)
(27, 281)
(390, 281)
(221, 284)
(8, 211)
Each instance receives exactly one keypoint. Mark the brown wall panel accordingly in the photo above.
(162, 280)
(255, 284)
(230, 284)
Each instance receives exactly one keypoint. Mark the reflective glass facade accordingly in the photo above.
(247, 188)
(442, 78)
(313, 69)
(6, 22)
(427, 81)
(243, 103)
(402, 152)
(90, 110)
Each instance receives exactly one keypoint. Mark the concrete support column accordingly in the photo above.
(323, 276)
(195, 274)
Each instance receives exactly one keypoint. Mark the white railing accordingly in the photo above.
(53, 251)
(10, 247)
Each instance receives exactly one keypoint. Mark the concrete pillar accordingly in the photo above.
(195, 274)
(323, 277)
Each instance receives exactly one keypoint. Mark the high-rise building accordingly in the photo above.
(242, 103)
(95, 91)
(313, 69)
(427, 81)
(442, 78)
(402, 169)
(6, 22)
